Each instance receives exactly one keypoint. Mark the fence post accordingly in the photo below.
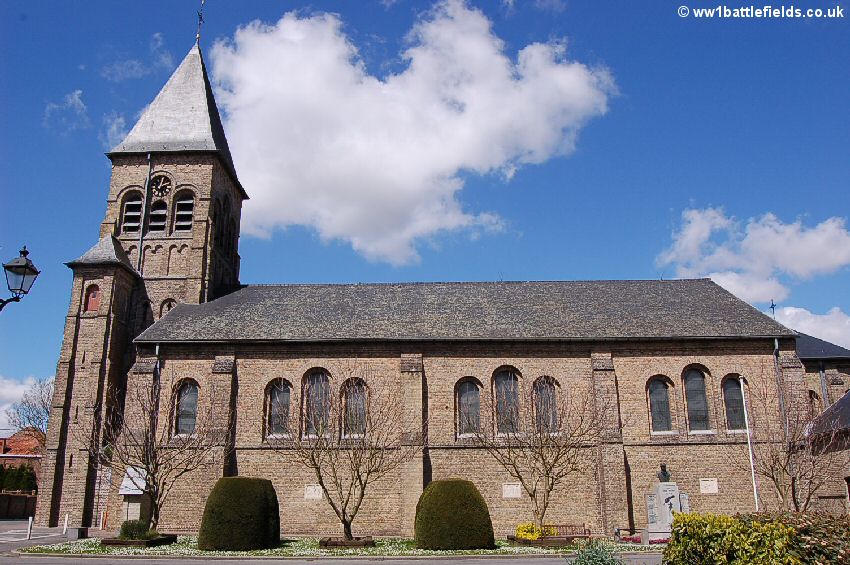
(65, 527)
(29, 528)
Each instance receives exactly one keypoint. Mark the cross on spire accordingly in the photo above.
(773, 308)
(200, 22)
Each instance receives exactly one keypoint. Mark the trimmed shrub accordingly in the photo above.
(596, 552)
(241, 514)
(136, 529)
(452, 514)
(707, 539)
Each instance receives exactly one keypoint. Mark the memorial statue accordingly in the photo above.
(663, 475)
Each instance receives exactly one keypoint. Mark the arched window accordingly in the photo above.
(232, 238)
(659, 404)
(92, 301)
(317, 396)
(184, 209)
(166, 306)
(733, 400)
(814, 404)
(159, 216)
(696, 400)
(506, 390)
(278, 395)
(468, 407)
(354, 403)
(187, 408)
(545, 405)
(131, 215)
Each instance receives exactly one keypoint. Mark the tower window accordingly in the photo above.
(187, 408)
(92, 302)
(159, 216)
(132, 213)
(183, 211)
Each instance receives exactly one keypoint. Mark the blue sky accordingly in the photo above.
(724, 120)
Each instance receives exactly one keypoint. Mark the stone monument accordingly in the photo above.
(664, 500)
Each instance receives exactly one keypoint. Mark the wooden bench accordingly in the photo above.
(556, 535)
(567, 532)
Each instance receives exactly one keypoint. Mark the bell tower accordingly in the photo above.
(170, 235)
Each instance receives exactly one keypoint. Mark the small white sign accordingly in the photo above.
(708, 486)
(312, 492)
(511, 490)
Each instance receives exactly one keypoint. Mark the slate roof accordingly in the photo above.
(834, 418)
(107, 251)
(809, 347)
(578, 310)
(182, 117)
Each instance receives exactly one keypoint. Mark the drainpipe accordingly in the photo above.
(780, 388)
(143, 215)
(824, 390)
(749, 442)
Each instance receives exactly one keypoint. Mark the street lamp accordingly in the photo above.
(20, 274)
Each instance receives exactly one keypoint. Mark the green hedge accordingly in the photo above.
(241, 514)
(759, 539)
(18, 478)
(452, 514)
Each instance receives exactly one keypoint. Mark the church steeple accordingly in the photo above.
(182, 118)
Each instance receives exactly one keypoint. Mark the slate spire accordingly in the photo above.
(182, 117)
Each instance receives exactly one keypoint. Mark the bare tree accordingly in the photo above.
(156, 440)
(540, 435)
(349, 438)
(795, 452)
(31, 412)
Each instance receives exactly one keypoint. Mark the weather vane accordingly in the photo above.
(200, 22)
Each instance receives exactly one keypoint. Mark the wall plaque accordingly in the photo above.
(511, 490)
(312, 492)
(708, 486)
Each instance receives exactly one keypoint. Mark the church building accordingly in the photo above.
(159, 296)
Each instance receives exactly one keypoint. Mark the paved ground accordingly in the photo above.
(13, 535)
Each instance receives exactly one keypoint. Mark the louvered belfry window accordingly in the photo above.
(183, 211)
(159, 216)
(132, 213)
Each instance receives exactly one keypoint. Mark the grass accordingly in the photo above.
(302, 547)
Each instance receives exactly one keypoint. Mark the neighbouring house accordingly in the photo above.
(21, 449)
(159, 296)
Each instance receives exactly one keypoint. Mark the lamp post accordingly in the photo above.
(20, 274)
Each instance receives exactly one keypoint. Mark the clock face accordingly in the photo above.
(161, 185)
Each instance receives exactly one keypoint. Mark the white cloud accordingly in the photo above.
(66, 116)
(160, 59)
(113, 130)
(11, 391)
(378, 162)
(756, 261)
(834, 326)
(556, 6)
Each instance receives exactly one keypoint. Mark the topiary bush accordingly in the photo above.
(241, 514)
(452, 514)
(819, 537)
(136, 529)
